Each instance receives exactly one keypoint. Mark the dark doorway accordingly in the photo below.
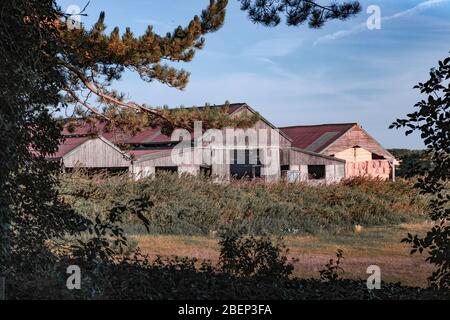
(316, 172)
(245, 164)
(206, 171)
(166, 169)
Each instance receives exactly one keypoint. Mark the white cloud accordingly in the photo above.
(421, 6)
(362, 27)
(278, 47)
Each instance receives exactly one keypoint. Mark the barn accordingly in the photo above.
(91, 153)
(323, 153)
(363, 155)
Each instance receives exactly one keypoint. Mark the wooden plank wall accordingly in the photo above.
(354, 155)
(356, 137)
(95, 153)
(298, 158)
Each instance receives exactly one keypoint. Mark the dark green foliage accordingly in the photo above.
(432, 120)
(138, 277)
(30, 211)
(106, 237)
(251, 256)
(196, 205)
(331, 270)
(413, 163)
(297, 12)
(40, 59)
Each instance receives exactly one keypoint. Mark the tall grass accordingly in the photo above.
(197, 206)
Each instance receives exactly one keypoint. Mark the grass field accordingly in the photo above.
(376, 245)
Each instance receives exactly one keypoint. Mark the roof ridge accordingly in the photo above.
(216, 105)
(319, 125)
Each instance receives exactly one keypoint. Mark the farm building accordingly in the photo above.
(363, 155)
(324, 153)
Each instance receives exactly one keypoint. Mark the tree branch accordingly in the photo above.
(84, 103)
(99, 93)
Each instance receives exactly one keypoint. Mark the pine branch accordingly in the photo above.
(89, 56)
(92, 88)
(267, 12)
(86, 104)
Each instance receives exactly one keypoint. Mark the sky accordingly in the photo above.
(343, 72)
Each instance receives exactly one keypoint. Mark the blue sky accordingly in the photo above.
(294, 75)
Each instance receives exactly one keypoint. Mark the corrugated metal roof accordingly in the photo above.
(316, 138)
(147, 136)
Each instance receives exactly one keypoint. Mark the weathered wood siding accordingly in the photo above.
(163, 160)
(356, 137)
(95, 153)
(354, 155)
(296, 157)
(146, 167)
(299, 161)
(373, 168)
(221, 171)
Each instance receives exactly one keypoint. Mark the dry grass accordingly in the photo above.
(377, 245)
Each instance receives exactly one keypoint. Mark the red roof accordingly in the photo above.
(316, 138)
(81, 132)
(148, 135)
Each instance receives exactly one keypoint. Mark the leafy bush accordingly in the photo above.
(331, 270)
(196, 205)
(432, 121)
(137, 277)
(250, 256)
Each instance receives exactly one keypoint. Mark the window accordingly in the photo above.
(206, 171)
(248, 157)
(377, 157)
(166, 169)
(284, 170)
(316, 172)
(245, 164)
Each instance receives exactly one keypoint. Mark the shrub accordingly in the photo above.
(331, 270)
(196, 205)
(250, 256)
(137, 277)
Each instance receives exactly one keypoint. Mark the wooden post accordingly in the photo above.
(393, 170)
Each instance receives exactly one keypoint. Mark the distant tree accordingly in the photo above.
(432, 120)
(297, 12)
(412, 162)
